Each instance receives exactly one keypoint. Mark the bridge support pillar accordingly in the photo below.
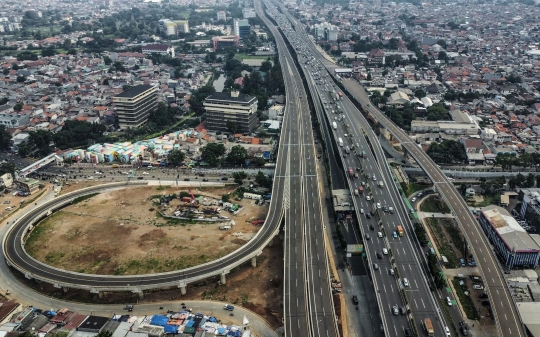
(254, 261)
(223, 278)
(270, 243)
(65, 289)
(100, 294)
(141, 295)
(183, 289)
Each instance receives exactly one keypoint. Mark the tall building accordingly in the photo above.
(224, 109)
(242, 28)
(222, 16)
(248, 13)
(134, 105)
(170, 27)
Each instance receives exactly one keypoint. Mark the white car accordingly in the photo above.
(374, 178)
(413, 199)
(378, 205)
(145, 173)
(9, 208)
(385, 251)
(379, 234)
(368, 198)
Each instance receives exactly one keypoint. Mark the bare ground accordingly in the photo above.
(119, 232)
(259, 289)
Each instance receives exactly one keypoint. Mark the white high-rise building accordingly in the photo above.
(171, 27)
(222, 15)
(249, 13)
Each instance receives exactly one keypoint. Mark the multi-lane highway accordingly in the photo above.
(508, 321)
(403, 255)
(307, 294)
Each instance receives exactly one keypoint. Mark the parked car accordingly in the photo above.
(355, 299)
(228, 307)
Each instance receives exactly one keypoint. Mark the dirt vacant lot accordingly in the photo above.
(120, 232)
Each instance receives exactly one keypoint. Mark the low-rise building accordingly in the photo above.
(513, 245)
(158, 49)
(6, 180)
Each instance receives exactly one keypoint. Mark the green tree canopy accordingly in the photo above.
(237, 155)
(5, 138)
(437, 112)
(263, 180)
(212, 153)
(175, 157)
(447, 151)
(239, 177)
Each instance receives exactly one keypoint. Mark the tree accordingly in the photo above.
(419, 93)
(4, 100)
(48, 52)
(5, 138)
(107, 60)
(237, 155)
(538, 181)
(104, 333)
(239, 177)
(175, 157)
(41, 140)
(226, 197)
(212, 153)
(437, 112)
(232, 126)
(18, 107)
(262, 179)
(7, 167)
(21, 78)
(529, 182)
(448, 151)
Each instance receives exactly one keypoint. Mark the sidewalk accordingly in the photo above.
(434, 215)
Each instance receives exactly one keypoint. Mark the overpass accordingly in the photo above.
(39, 164)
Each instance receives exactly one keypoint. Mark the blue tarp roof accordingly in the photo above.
(190, 323)
(159, 320)
(221, 331)
(170, 328)
(266, 154)
(212, 319)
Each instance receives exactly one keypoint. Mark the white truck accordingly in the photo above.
(340, 141)
(334, 125)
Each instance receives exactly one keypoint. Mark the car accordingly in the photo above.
(413, 199)
(9, 208)
(462, 262)
(472, 263)
(145, 173)
(363, 183)
(419, 195)
(228, 307)
(186, 179)
(205, 179)
(224, 178)
(140, 178)
(407, 332)
(374, 178)
(372, 212)
(385, 251)
(378, 205)
(402, 310)
(367, 236)
(391, 271)
(379, 256)
(477, 287)
(395, 310)
(464, 330)
(355, 299)
(6, 202)
(447, 331)
(405, 282)
(368, 215)
(368, 198)
(369, 176)
(128, 307)
(358, 169)
(379, 234)
(361, 211)
(385, 208)
(371, 227)
(394, 234)
(375, 266)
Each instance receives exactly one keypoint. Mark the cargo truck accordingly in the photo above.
(340, 94)
(351, 172)
(400, 230)
(340, 141)
(429, 327)
(334, 125)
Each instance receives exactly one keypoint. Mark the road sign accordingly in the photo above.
(355, 248)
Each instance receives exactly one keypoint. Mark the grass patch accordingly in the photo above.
(456, 236)
(412, 188)
(434, 205)
(34, 240)
(83, 198)
(465, 300)
(488, 200)
(442, 243)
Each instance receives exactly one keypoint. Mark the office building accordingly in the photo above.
(222, 16)
(513, 245)
(170, 27)
(224, 41)
(134, 105)
(224, 110)
(242, 28)
(248, 13)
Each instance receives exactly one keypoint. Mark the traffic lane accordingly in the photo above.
(443, 179)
